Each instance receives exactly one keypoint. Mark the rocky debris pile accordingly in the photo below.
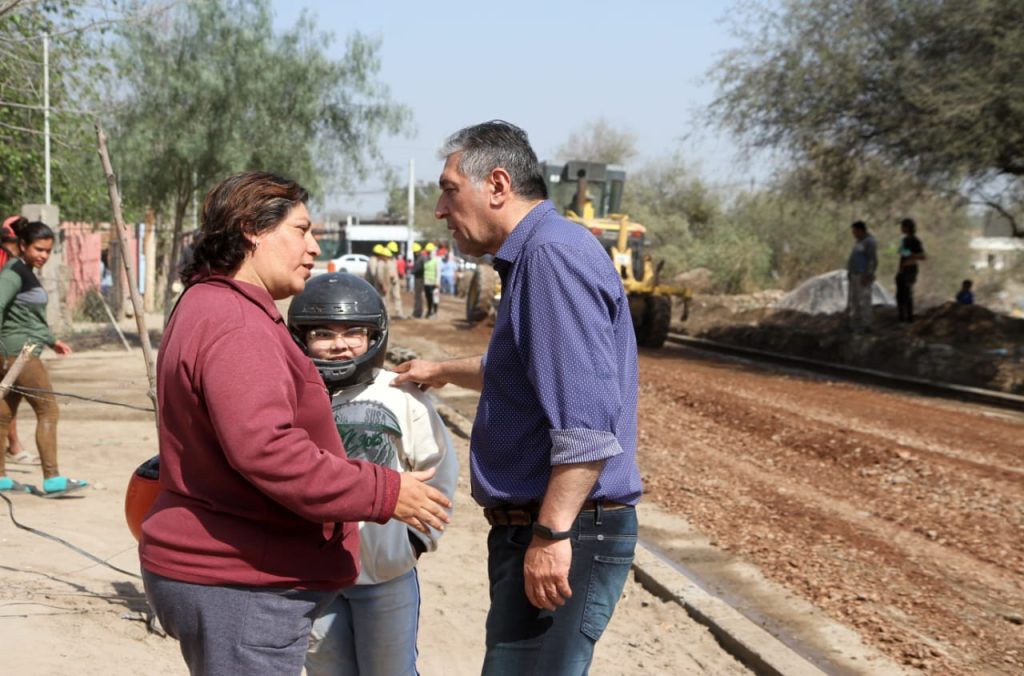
(697, 280)
(961, 344)
(709, 310)
(971, 327)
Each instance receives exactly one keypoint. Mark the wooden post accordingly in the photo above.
(122, 229)
(114, 323)
(117, 282)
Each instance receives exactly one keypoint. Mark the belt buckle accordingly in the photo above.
(508, 516)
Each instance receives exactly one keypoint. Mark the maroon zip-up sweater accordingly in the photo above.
(257, 490)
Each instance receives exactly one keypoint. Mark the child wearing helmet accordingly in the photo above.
(340, 321)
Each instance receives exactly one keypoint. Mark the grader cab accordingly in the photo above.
(590, 193)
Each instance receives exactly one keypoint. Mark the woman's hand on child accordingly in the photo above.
(421, 506)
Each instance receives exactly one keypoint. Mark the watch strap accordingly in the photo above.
(545, 532)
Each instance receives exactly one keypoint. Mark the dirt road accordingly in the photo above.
(899, 516)
(62, 612)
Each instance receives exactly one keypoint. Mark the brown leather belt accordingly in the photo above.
(525, 515)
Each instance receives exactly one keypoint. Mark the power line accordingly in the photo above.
(35, 393)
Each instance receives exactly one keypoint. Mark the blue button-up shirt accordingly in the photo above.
(560, 373)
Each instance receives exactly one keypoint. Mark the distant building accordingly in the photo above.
(995, 253)
(355, 236)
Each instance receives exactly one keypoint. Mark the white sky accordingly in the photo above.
(548, 66)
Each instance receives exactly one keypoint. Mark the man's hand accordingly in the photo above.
(546, 569)
(420, 505)
(464, 372)
(425, 374)
(62, 348)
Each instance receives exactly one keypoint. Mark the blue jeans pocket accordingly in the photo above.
(607, 578)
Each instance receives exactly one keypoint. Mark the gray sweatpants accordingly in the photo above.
(237, 630)
(858, 301)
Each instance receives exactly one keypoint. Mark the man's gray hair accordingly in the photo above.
(494, 144)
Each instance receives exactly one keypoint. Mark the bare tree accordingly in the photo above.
(599, 141)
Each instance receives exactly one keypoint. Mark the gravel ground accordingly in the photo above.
(899, 516)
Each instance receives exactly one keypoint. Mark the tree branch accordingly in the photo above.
(1001, 210)
(15, 127)
(137, 307)
(9, 6)
(53, 109)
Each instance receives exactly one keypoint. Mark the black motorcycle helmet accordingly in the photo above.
(341, 297)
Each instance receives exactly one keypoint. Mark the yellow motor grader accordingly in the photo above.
(591, 194)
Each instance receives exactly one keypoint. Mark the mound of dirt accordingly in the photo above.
(708, 311)
(970, 326)
(961, 344)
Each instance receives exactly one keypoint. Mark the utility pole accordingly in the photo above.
(412, 206)
(46, 111)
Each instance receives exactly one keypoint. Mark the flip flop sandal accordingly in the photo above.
(70, 486)
(16, 487)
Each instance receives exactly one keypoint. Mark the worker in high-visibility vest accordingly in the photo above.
(431, 278)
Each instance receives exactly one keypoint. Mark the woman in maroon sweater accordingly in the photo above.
(254, 530)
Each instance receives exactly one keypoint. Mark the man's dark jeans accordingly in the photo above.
(522, 639)
(417, 295)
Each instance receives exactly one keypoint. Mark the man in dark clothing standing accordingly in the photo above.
(911, 252)
(417, 276)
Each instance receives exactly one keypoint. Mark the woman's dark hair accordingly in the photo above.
(244, 204)
(31, 231)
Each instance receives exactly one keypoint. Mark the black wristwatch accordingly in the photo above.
(545, 532)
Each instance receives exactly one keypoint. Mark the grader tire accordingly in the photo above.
(480, 293)
(657, 316)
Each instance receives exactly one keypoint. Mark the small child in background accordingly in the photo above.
(965, 296)
(370, 629)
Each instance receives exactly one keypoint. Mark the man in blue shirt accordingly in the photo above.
(860, 277)
(553, 449)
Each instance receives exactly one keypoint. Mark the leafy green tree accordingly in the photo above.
(599, 141)
(794, 228)
(208, 89)
(930, 87)
(77, 185)
(675, 206)
(806, 227)
(739, 260)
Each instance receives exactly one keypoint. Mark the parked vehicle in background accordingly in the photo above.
(333, 258)
(353, 263)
